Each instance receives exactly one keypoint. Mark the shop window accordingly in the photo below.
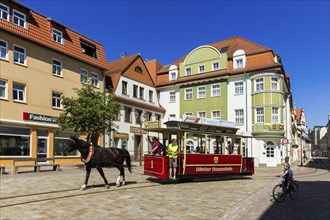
(60, 140)
(14, 141)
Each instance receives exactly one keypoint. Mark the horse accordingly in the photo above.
(98, 157)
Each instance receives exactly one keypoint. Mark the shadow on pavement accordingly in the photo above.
(318, 163)
(312, 203)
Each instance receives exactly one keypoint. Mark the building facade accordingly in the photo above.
(234, 80)
(41, 60)
(134, 89)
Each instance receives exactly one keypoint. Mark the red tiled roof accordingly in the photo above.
(126, 67)
(262, 58)
(39, 30)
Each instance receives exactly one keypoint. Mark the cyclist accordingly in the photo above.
(287, 175)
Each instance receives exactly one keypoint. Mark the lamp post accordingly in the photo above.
(141, 142)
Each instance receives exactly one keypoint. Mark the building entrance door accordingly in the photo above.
(42, 145)
(270, 156)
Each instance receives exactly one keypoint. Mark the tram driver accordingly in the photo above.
(172, 153)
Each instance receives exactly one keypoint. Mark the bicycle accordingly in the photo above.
(279, 193)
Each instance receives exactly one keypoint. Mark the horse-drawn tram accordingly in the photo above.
(207, 147)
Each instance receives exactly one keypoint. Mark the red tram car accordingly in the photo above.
(205, 161)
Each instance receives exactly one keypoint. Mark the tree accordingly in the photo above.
(91, 112)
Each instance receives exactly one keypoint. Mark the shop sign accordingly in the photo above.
(37, 117)
(137, 130)
(119, 135)
(277, 127)
(151, 124)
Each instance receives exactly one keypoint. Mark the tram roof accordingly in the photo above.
(197, 128)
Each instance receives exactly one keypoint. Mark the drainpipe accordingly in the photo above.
(246, 115)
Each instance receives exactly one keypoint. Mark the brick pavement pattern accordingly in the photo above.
(56, 195)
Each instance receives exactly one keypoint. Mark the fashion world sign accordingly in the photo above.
(37, 117)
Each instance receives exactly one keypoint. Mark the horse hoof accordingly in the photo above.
(83, 187)
(118, 185)
(107, 186)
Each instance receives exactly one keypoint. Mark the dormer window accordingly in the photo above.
(173, 72)
(239, 59)
(88, 49)
(201, 69)
(188, 71)
(239, 63)
(19, 19)
(138, 69)
(57, 36)
(215, 66)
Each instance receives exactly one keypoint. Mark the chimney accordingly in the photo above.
(123, 55)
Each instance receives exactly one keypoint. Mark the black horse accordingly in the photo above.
(98, 157)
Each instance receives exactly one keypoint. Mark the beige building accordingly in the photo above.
(41, 60)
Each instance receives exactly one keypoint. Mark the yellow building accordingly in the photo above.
(41, 60)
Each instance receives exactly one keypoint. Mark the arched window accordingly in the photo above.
(138, 69)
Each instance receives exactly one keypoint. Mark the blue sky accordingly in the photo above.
(166, 30)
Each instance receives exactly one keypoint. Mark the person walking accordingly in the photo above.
(172, 153)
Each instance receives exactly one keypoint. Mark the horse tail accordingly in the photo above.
(128, 161)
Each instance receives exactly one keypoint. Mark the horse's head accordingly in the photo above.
(71, 145)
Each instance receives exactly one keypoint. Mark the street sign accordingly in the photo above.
(285, 141)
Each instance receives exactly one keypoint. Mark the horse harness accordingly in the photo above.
(89, 156)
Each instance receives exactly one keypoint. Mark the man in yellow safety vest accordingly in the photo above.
(172, 152)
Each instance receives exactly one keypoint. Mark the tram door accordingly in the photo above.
(42, 145)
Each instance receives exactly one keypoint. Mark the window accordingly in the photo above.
(201, 94)
(172, 115)
(188, 94)
(275, 115)
(239, 116)
(83, 76)
(57, 68)
(239, 63)
(135, 91)
(201, 69)
(19, 19)
(158, 118)
(4, 12)
(260, 115)
(88, 49)
(238, 88)
(270, 152)
(216, 115)
(138, 69)
(18, 92)
(95, 80)
(202, 114)
(215, 66)
(19, 55)
(57, 36)
(188, 71)
(151, 96)
(124, 88)
(127, 116)
(172, 97)
(215, 90)
(148, 116)
(260, 84)
(274, 83)
(3, 50)
(188, 114)
(60, 141)
(173, 76)
(14, 141)
(3, 89)
(141, 93)
(138, 114)
(56, 100)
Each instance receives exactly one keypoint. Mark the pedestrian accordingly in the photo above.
(172, 153)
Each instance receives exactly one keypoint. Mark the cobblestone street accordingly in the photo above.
(56, 195)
